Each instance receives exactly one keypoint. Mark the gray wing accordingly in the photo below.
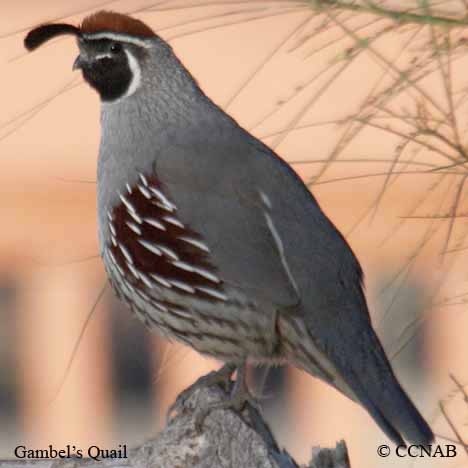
(266, 231)
(223, 200)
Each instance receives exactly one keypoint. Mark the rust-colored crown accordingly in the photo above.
(115, 22)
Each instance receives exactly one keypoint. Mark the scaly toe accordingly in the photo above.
(236, 401)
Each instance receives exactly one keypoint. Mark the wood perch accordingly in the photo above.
(228, 439)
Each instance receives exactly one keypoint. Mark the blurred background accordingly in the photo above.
(372, 115)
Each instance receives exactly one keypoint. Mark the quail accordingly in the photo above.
(212, 239)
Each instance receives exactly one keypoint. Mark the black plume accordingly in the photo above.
(36, 37)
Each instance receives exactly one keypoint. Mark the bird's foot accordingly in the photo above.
(240, 395)
(221, 376)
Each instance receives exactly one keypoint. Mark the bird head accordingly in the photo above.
(113, 50)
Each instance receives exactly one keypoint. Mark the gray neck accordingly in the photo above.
(168, 105)
(167, 109)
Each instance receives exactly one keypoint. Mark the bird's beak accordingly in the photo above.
(78, 63)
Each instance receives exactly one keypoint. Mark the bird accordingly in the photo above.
(212, 239)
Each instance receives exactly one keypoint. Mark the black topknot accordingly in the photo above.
(37, 36)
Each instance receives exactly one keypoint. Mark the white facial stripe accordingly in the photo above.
(101, 56)
(117, 37)
(136, 74)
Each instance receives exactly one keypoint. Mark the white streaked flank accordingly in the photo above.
(144, 179)
(163, 206)
(181, 313)
(184, 266)
(182, 286)
(122, 273)
(126, 254)
(168, 252)
(213, 293)
(135, 217)
(153, 248)
(146, 281)
(144, 296)
(129, 189)
(207, 274)
(195, 243)
(133, 227)
(129, 286)
(112, 228)
(200, 271)
(129, 206)
(163, 199)
(134, 271)
(155, 223)
(174, 221)
(111, 256)
(146, 193)
(161, 280)
(114, 261)
(159, 306)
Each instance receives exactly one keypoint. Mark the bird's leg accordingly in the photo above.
(221, 376)
(240, 395)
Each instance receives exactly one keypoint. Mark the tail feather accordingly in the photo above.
(394, 412)
(363, 373)
(385, 425)
(352, 359)
(370, 376)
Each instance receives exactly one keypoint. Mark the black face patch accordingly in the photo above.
(106, 68)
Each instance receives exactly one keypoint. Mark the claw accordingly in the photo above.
(239, 397)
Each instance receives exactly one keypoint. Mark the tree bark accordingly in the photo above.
(227, 439)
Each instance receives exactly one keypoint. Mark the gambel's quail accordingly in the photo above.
(212, 239)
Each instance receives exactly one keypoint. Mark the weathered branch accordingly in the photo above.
(228, 439)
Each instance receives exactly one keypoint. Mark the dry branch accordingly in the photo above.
(228, 439)
(400, 16)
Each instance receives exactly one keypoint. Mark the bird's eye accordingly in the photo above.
(115, 47)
